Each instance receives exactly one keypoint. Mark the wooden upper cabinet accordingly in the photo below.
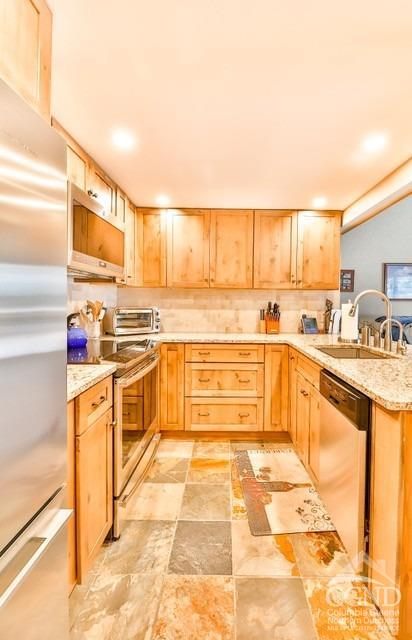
(318, 261)
(25, 50)
(188, 247)
(130, 252)
(101, 187)
(77, 168)
(120, 211)
(231, 249)
(275, 249)
(151, 247)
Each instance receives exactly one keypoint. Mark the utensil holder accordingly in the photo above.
(94, 329)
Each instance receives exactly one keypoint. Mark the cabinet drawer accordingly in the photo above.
(224, 353)
(308, 370)
(224, 414)
(92, 404)
(224, 380)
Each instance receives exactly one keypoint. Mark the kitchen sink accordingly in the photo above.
(353, 352)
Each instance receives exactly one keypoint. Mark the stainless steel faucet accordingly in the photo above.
(388, 311)
(400, 346)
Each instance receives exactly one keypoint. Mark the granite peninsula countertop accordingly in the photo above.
(387, 381)
(81, 377)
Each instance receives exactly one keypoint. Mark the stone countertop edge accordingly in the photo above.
(387, 381)
(81, 377)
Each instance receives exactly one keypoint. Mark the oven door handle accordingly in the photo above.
(126, 381)
(142, 473)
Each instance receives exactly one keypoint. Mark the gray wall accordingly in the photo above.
(385, 238)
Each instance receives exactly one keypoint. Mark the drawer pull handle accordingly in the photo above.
(204, 379)
(100, 401)
(204, 353)
(203, 415)
(304, 393)
(244, 415)
(244, 353)
(244, 381)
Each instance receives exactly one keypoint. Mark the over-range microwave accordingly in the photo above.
(95, 245)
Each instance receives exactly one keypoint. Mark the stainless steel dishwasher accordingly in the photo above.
(343, 462)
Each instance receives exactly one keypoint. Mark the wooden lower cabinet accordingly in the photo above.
(172, 373)
(89, 476)
(71, 496)
(314, 433)
(302, 417)
(292, 394)
(224, 414)
(276, 388)
(94, 490)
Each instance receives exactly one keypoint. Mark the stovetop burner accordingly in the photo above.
(123, 354)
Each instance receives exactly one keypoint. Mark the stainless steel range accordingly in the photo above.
(136, 411)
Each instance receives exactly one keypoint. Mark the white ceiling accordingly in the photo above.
(237, 103)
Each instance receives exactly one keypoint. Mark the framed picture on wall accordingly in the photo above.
(347, 280)
(397, 280)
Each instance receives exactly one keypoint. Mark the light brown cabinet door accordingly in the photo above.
(121, 208)
(130, 248)
(71, 495)
(94, 490)
(318, 261)
(77, 168)
(172, 372)
(151, 247)
(188, 247)
(101, 187)
(275, 249)
(231, 248)
(302, 417)
(314, 432)
(292, 394)
(25, 50)
(276, 388)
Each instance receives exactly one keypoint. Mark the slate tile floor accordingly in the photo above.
(187, 568)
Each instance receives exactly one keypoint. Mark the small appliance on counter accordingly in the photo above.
(309, 325)
(76, 336)
(123, 321)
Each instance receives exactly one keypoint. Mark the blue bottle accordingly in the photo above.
(76, 336)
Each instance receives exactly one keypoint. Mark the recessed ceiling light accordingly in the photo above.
(375, 142)
(319, 202)
(123, 139)
(162, 200)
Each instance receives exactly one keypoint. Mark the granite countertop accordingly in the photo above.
(81, 377)
(387, 381)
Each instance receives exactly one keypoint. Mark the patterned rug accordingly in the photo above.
(278, 493)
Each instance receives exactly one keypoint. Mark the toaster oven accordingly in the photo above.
(123, 321)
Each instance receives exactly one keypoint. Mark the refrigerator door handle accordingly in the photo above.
(14, 572)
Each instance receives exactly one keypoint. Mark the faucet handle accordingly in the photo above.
(401, 347)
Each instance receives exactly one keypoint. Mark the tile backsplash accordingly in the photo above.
(226, 311)
(79, 293)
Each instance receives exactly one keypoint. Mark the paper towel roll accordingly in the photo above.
(349, 327)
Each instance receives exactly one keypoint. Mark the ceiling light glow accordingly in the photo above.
(375, 142)
(319, 202)
(123, 139)
(162, 200)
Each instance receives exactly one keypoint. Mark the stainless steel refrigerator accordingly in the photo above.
(33, 520)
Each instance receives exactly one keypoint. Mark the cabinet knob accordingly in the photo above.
(204, 379)
(244, 381)
(204, 353)
(244, 353)
(203, 415)
(244, 415)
